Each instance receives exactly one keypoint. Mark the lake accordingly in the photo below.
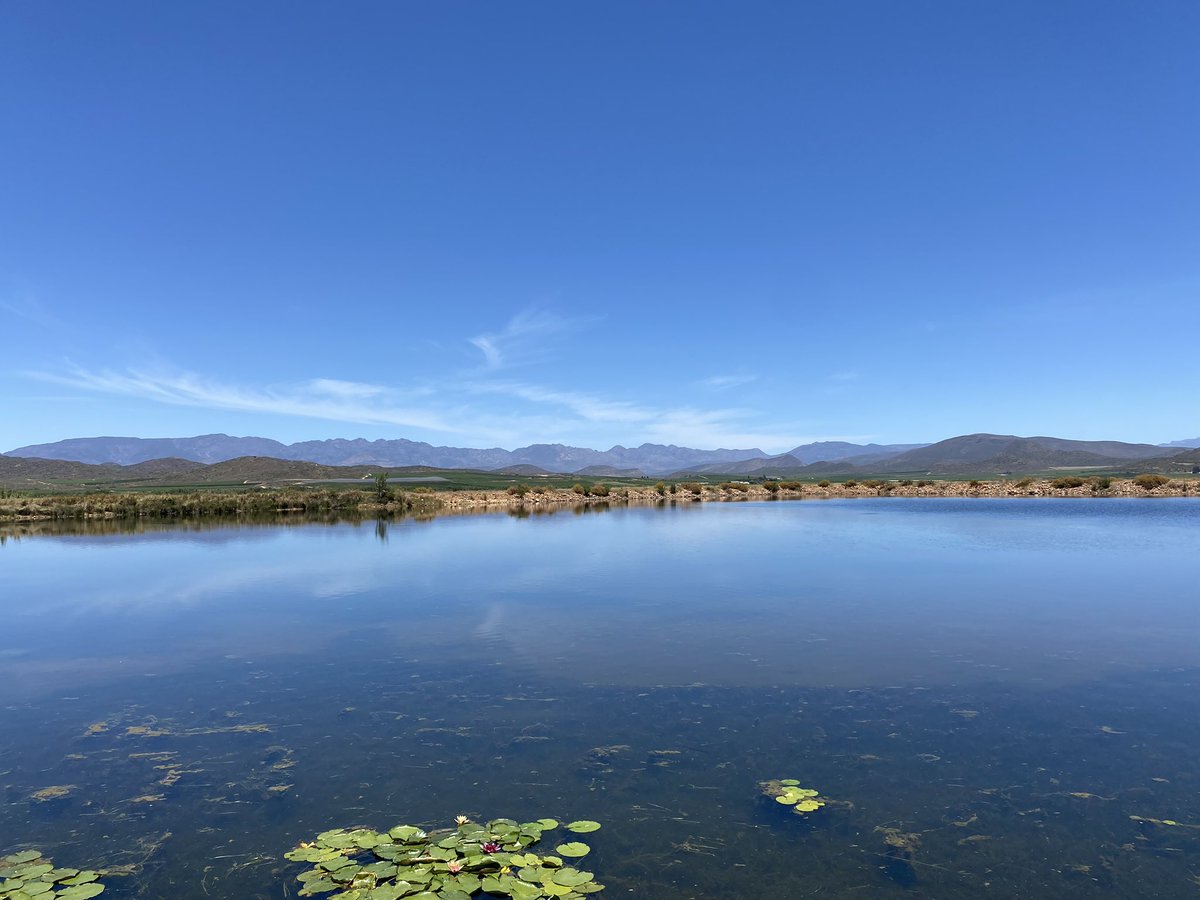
(996, 697)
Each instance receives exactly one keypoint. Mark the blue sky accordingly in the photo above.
(498, 223)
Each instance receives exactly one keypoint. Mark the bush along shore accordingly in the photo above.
(201, 503)
(382, 503)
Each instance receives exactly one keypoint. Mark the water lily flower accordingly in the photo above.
(490, 847)
(454, 866)
(461, 820)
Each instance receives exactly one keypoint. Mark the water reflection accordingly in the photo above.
(1001, 697)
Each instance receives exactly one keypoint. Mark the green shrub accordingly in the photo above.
(519, 490)
(660, 489)
(1066, 482)
(598, 490)
(850, 483)
(1100, 483)
(771, 486)
(692, 487)
(1150, 482)
(736, 486)
(383, 493)
(791, 485)
(822, 483)
(924, 483)
(579, 489)
(906, 482)
(1023, 483)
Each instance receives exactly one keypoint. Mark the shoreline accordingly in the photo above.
(285, 501)
(742, 492)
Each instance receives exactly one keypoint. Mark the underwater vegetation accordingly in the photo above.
(28, 875)
(447, 864)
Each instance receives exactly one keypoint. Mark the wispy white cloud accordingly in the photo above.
(27, 307)
(485, 406)
(344, 389)
(722, 382)
(592, 408)
(684, 425)
(524, 338)
(320, 398)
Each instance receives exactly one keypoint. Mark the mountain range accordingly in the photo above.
(651, 459)
(975, 454)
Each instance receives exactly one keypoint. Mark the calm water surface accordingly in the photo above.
(997, 686)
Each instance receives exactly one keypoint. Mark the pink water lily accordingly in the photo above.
(489, 847)
(454, 867)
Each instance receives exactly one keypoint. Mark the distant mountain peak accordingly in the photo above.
(980, 453)
(213, 448)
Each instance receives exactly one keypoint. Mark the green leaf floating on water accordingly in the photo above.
(28, 875)
(583, 826)
(406, 833)
(574, 849)
(571, 877)
(23, 857)
(80, 892)
(456, 863)
(787, 792)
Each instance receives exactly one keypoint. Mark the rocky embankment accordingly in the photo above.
(740, 492)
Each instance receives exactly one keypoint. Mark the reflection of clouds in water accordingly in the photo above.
(489, 628)
(650, 594)
(319, 577)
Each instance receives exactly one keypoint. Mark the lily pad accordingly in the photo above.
(583, 826)
(406, 833)
(573, 849)
(571, 877)
(456, 863)
(788, 792)
(23, 857)
(80, 892)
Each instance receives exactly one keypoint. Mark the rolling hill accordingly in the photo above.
(982, 454)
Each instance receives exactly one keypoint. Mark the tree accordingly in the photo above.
(383, 493)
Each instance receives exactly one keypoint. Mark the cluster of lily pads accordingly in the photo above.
(447, 864)
(788, 792)
(30, 876)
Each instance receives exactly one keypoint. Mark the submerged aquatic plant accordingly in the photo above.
(29, 874)
(449, 864)
(788, 792)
